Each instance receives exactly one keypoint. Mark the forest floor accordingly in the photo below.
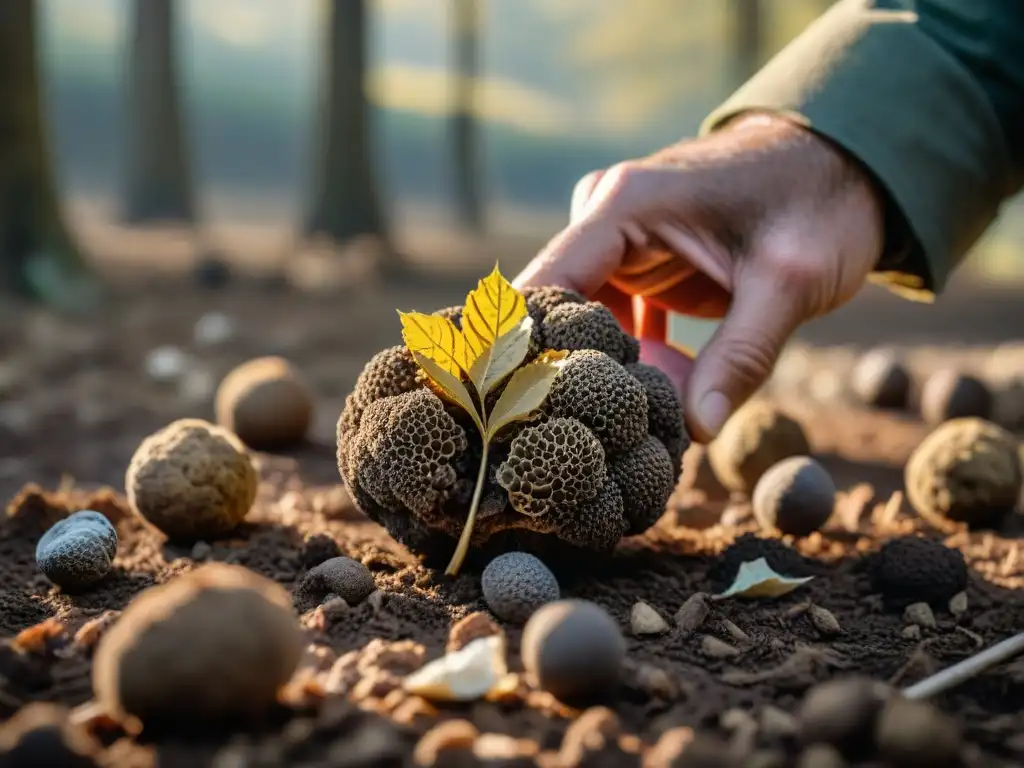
(76, 399)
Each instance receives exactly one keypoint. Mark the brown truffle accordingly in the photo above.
(757, 437)
(948, 394)
(967, 470)
(265, 402)
(192, 479)
(796, 496)
(215, 643)
(880, 379)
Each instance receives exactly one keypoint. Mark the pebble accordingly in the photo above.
(714, 648)
(776, 723)
(693, 613)
(920, 614)
(911, 632)
(213, 328)
(347, 578)
(958, 604)
(574, 649)
(645, 620)
(517, 584)
(77, 551)
(165, 363)
(915, 734)
(824, 621)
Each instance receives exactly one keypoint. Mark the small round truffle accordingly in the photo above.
(215, 643)
(949, 394)
(664, 411)
(756, 438)
(589, 326)
(266, 402)
(516, 584)
(842, 712)
(574, 649)
(912, 569)
(915, 734)
(77, 551)
(796, 496)
(645, 477)
(968, 471)
(542, 299)
(192, 480)
(880, 379)
(347, 578)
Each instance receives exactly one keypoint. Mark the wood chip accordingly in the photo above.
(694, 611)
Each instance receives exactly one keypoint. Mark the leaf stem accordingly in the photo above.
(467, 532)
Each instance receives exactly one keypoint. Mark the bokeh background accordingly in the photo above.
(287, 174)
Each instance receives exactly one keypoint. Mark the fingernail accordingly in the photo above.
(712, 411)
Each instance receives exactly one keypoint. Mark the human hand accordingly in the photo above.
(762, 223)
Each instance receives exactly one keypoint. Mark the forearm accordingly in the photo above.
(927, 102)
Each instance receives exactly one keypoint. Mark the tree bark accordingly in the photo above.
(33, 233)
(345, 202)
(747, 41)
(157, 182)
(467, 166)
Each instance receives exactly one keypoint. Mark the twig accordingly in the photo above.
(966, 669)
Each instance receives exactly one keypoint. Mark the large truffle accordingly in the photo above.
(192, 479)
(589, 326)
(266, 402)
(78, 550)
(215, 643)
(757, 437)
(796, 496)
(912, 569)
(574, 649)
(410, 457)
(880, 379)
(948, 394)
(517, 584)
(967, 470)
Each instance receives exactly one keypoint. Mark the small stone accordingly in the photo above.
(920, 614)
(843, 713)
(911, 632)
(201, 550)
(266, 402)
(824, 621)
(196, 385)
(574, 649)
(149, 664)
(795, 496)
(820, 756)
(469, 628)
(334, 608)
(691, 616)
(213, 328)
(958, 604)
(735, 632)
(78, 551)
(915, 734)
(517, 584)
(714, 648)
(166, 363)
(345, 577)
(777, 724)
(652, 680)
(645, 620)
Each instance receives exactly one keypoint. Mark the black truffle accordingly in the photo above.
(574, 649)
(880, 379)
(948, 394)
(912, 569)
(78, 550)
(796, 496)
(517, 584)
(347, 578)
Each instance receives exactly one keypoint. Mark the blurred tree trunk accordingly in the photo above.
(37, 252)
(157, 184)
(465, 136)
(345, 203)
(748, 39)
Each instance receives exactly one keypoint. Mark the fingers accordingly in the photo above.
(764, 313)
(676, 365)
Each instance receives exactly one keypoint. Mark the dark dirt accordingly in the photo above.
(75, 401)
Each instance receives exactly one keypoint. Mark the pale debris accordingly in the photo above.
(464, 675)
(757, 579)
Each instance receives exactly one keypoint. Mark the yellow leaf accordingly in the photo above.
(437, 339)
(492, 309)
(451, 386)
(524, 393)
(508, 352)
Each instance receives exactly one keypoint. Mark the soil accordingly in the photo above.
(75, 400)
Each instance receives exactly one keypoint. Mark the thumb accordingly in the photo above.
(741, 355)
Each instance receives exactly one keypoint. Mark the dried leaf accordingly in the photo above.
(524, 393)
(757, 579)
(507, 353)
(437, 339)
(451, 386)
(492, 309)
(463, 675)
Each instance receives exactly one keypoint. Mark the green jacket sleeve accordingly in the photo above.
(929, 97)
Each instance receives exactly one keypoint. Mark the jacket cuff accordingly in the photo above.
(875, 84)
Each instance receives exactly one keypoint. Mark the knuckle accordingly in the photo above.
(751, 358)
(797, 271)
(620, 179)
